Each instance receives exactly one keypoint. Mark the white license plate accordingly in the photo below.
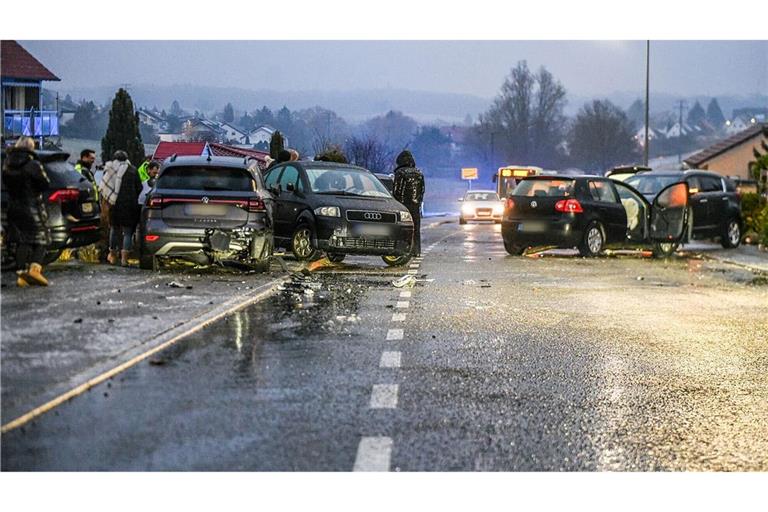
(206, 210)
(87, 207)
(532, 227)
(370, 229)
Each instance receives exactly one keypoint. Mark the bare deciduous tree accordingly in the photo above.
(601, 136)
(368, 152)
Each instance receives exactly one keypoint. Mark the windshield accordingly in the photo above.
(543, 187)
(481, 196)
(344, 181)
(206, 178)
(650, 185)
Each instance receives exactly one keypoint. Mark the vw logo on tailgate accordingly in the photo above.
(534, 204)
(205, 199)
(372, 216)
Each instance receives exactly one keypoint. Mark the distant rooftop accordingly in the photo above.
(724, 145)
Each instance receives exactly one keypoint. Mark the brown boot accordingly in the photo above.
(124, 258)
(21, 279)
(35, 275)
(112, 257)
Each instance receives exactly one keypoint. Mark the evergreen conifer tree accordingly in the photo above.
(715, 116)
(276, 144)
(123, 130)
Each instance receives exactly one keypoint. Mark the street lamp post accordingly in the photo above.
(647, 84)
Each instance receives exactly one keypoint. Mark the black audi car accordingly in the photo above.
(73, 209)
(592, 213)
(714, 205)
(207, 210)
(339, 209)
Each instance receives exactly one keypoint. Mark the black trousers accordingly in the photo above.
(416, 216)
(27, 253)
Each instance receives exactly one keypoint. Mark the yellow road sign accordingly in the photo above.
(469, 173)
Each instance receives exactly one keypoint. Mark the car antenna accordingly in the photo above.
(173, 157)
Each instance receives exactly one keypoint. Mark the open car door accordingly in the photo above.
(669, 214)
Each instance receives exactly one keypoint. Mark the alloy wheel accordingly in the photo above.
(302, 243)
(734, 233)
(595, 240)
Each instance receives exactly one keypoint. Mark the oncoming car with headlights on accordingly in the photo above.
(338, 209)
(481, 205)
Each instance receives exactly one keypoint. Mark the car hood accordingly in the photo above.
(384, 204)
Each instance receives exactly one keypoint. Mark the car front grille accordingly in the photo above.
(369, 216)
(364, 243)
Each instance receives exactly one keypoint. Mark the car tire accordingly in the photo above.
(664, 249)
(514, 249)
(497, 221)
(593, 241)
(336, 257)
(731, 237)
(397, 261)
(301, 243)
(462, 220)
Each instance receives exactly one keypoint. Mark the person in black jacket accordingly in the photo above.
(408, 189)
(25, 180)
(124, 187)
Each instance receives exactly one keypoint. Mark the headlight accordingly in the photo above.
(467, 209)
(405, 216)
(498, 209)
(328, 211)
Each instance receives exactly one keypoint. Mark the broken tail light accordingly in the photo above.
(510, 203)
(568, 206)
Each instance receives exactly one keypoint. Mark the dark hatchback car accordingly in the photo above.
(591, 213)
(714, 205)
(339, 209)
(73, 209)
(207, 210)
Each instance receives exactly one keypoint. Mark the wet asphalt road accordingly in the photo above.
(497, 363)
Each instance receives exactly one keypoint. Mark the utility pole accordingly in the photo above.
(493, 136)
(647, 85)
(681, 105)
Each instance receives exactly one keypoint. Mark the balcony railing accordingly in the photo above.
(32, 123)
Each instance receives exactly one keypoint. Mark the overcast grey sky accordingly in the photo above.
(588, 68)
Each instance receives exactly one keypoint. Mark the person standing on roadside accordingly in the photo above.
(25, 180)
(120, 188)
(408, 189)
(85, 165)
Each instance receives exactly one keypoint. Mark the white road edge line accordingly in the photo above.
(390, 359)
(373, 454)
(384, 396)
(394, 335)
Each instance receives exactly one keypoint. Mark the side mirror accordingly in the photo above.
(290, 187)
(693, 191)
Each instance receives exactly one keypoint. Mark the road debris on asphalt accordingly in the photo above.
(407, 281)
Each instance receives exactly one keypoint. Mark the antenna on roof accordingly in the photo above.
(173, 157)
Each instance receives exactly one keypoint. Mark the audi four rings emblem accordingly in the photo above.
(372, 216)
(205, 199)
(534, 204)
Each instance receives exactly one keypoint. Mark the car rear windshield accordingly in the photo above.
(650, 185)
(62, 174)
(343, 181)
(206, 178)
(544, 187)
(482, 196)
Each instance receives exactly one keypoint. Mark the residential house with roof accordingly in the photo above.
(233, 134)
(261, 135)
(153, 119)
(731, 157)
(198, 129)
(22, 77)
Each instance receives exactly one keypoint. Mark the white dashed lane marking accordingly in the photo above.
(402, 304)
(398, 317)
(405, 294)
(384, 396)
(373, 454)
(394, 334)
(413, 272)
(390, 360)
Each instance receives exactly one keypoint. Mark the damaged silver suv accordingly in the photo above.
(207, 210)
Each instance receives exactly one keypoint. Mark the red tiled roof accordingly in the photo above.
(224, 150)
(724, 145)
(16, 62)
(166, 149)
